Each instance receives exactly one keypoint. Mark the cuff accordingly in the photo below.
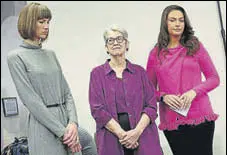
(151, 113)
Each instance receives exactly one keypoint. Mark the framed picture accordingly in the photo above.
(10, 106)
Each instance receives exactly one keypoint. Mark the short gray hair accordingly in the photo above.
(115, 28)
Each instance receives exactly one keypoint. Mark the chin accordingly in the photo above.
(117, 53)
(43, 38)
(177, 34)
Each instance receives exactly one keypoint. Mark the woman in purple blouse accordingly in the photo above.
(123, 102)
(175, 66)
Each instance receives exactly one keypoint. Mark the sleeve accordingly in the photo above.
(97, 101)
(70, 105)
(150, 69)
(30, 98)
(208, 69)
(150, 107)
(69, 100)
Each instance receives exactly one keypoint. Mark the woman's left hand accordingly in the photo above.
(187, 98)
(131, 138)
(71, 135)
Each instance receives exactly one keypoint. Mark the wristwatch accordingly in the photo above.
(161, 99)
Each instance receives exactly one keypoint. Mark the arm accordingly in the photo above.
(70, 104)
(143, 123)
(30, 98)
(151, 65)
(150, 105)
(114, 127)
(131, 137)
(98, 108)
(169, 99)
(97, 101)
(148, 115)
(70, 137)
(209, 71)
(69, 101)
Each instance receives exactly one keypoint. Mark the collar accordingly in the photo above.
(30, 46)
(108, 69)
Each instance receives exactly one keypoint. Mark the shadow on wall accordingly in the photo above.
(11, 8)
(13, 126)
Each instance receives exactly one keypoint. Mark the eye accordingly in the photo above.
(171, 20)
(110, 40)
(120, 38)
(42, 21)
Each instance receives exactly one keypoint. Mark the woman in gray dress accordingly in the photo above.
(53, 125)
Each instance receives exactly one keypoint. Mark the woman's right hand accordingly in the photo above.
(120, 133)
(173, 101)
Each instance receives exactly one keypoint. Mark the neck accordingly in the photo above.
(174, 41)
(118, 62)
(33, 42)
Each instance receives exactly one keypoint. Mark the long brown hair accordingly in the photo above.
(187, 40)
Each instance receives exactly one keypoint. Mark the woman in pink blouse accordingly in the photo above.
(175, 66)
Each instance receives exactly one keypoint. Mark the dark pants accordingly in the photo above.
(125, 125)
(191, 139)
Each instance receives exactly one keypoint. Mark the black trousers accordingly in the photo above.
(124, 123)
(191, 139)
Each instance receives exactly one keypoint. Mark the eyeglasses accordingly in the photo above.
(119, 39)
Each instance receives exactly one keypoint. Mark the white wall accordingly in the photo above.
(76, 36)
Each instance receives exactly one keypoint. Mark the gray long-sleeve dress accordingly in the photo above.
(40, 84)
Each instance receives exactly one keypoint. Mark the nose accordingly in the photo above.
(46, 26)
(177, 24)
(115, 41)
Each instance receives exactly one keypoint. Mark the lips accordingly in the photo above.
(114, 48)
(45, 32)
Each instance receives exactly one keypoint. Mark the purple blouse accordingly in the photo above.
(120, 96)
(139, 98)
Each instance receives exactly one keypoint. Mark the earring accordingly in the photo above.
(107, 52)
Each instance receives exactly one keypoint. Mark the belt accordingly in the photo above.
(54, 105)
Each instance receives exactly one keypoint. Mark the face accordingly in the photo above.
(42, 28)
(175, 23)
(116, 44)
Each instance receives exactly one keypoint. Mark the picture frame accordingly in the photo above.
(10, 106)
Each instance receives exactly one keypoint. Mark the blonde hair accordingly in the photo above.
(115, 28)
(28, 17)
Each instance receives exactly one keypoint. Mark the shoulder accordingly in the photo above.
(201, 51)
(98, 69)
(153, 54)
(13, 54)
(49, 51)
(154, 51)
(137, 68)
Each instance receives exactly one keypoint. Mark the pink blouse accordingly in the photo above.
(178, 73)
